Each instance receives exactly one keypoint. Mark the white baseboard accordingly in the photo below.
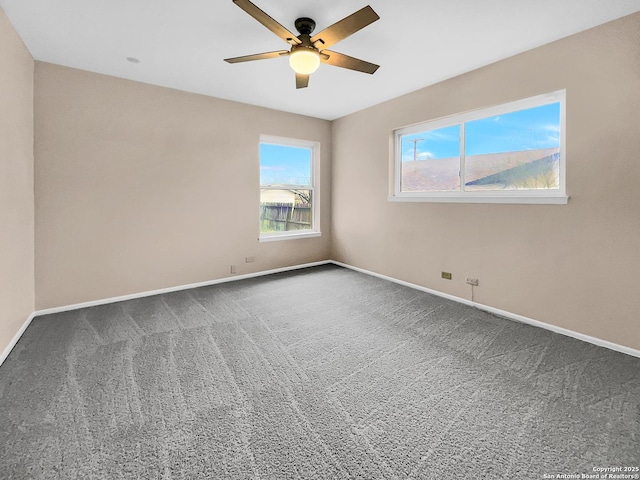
(503, 313)
(93, 303)
(496, 311)
(5, 353)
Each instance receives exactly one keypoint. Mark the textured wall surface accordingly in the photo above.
(574, 266)
(16, 182)
(141, 187)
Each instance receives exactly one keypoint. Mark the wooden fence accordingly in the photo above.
(283, 217)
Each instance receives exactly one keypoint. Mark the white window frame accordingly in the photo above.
(314, 187)
(555, 196)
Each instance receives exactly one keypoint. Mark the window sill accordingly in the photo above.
(557, 199)
(273, 237)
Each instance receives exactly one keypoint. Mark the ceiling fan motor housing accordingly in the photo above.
(305, 25)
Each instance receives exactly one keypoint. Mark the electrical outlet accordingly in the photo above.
(249, 259)
(472, 281)
(446, 275)
(234, 269)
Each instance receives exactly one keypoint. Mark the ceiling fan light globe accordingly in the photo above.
(304, 61)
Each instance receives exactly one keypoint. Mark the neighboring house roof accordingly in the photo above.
(541, 173)
(443, 174)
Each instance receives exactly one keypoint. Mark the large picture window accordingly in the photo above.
(289, 199)
(511, 153)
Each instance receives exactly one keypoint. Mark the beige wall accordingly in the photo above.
(16, 182)
(575, 266)
(140, 187)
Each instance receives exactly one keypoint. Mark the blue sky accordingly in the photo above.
(283, 164)
(528, 129)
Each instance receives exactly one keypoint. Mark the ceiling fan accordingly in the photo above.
(308, 51)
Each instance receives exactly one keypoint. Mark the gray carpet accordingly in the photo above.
(322, 373)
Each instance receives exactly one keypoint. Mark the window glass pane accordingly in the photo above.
(514, 151)
(285, 210)
(431, 160)
(285, 165)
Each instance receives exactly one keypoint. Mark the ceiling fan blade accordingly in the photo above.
(257, 56)
(302, 81)
(345, 61)
(267, 21)
(345, 27)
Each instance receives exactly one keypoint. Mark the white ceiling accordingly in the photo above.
(181, 43)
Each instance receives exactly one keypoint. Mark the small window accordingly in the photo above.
(511, 153)
(289, 197)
